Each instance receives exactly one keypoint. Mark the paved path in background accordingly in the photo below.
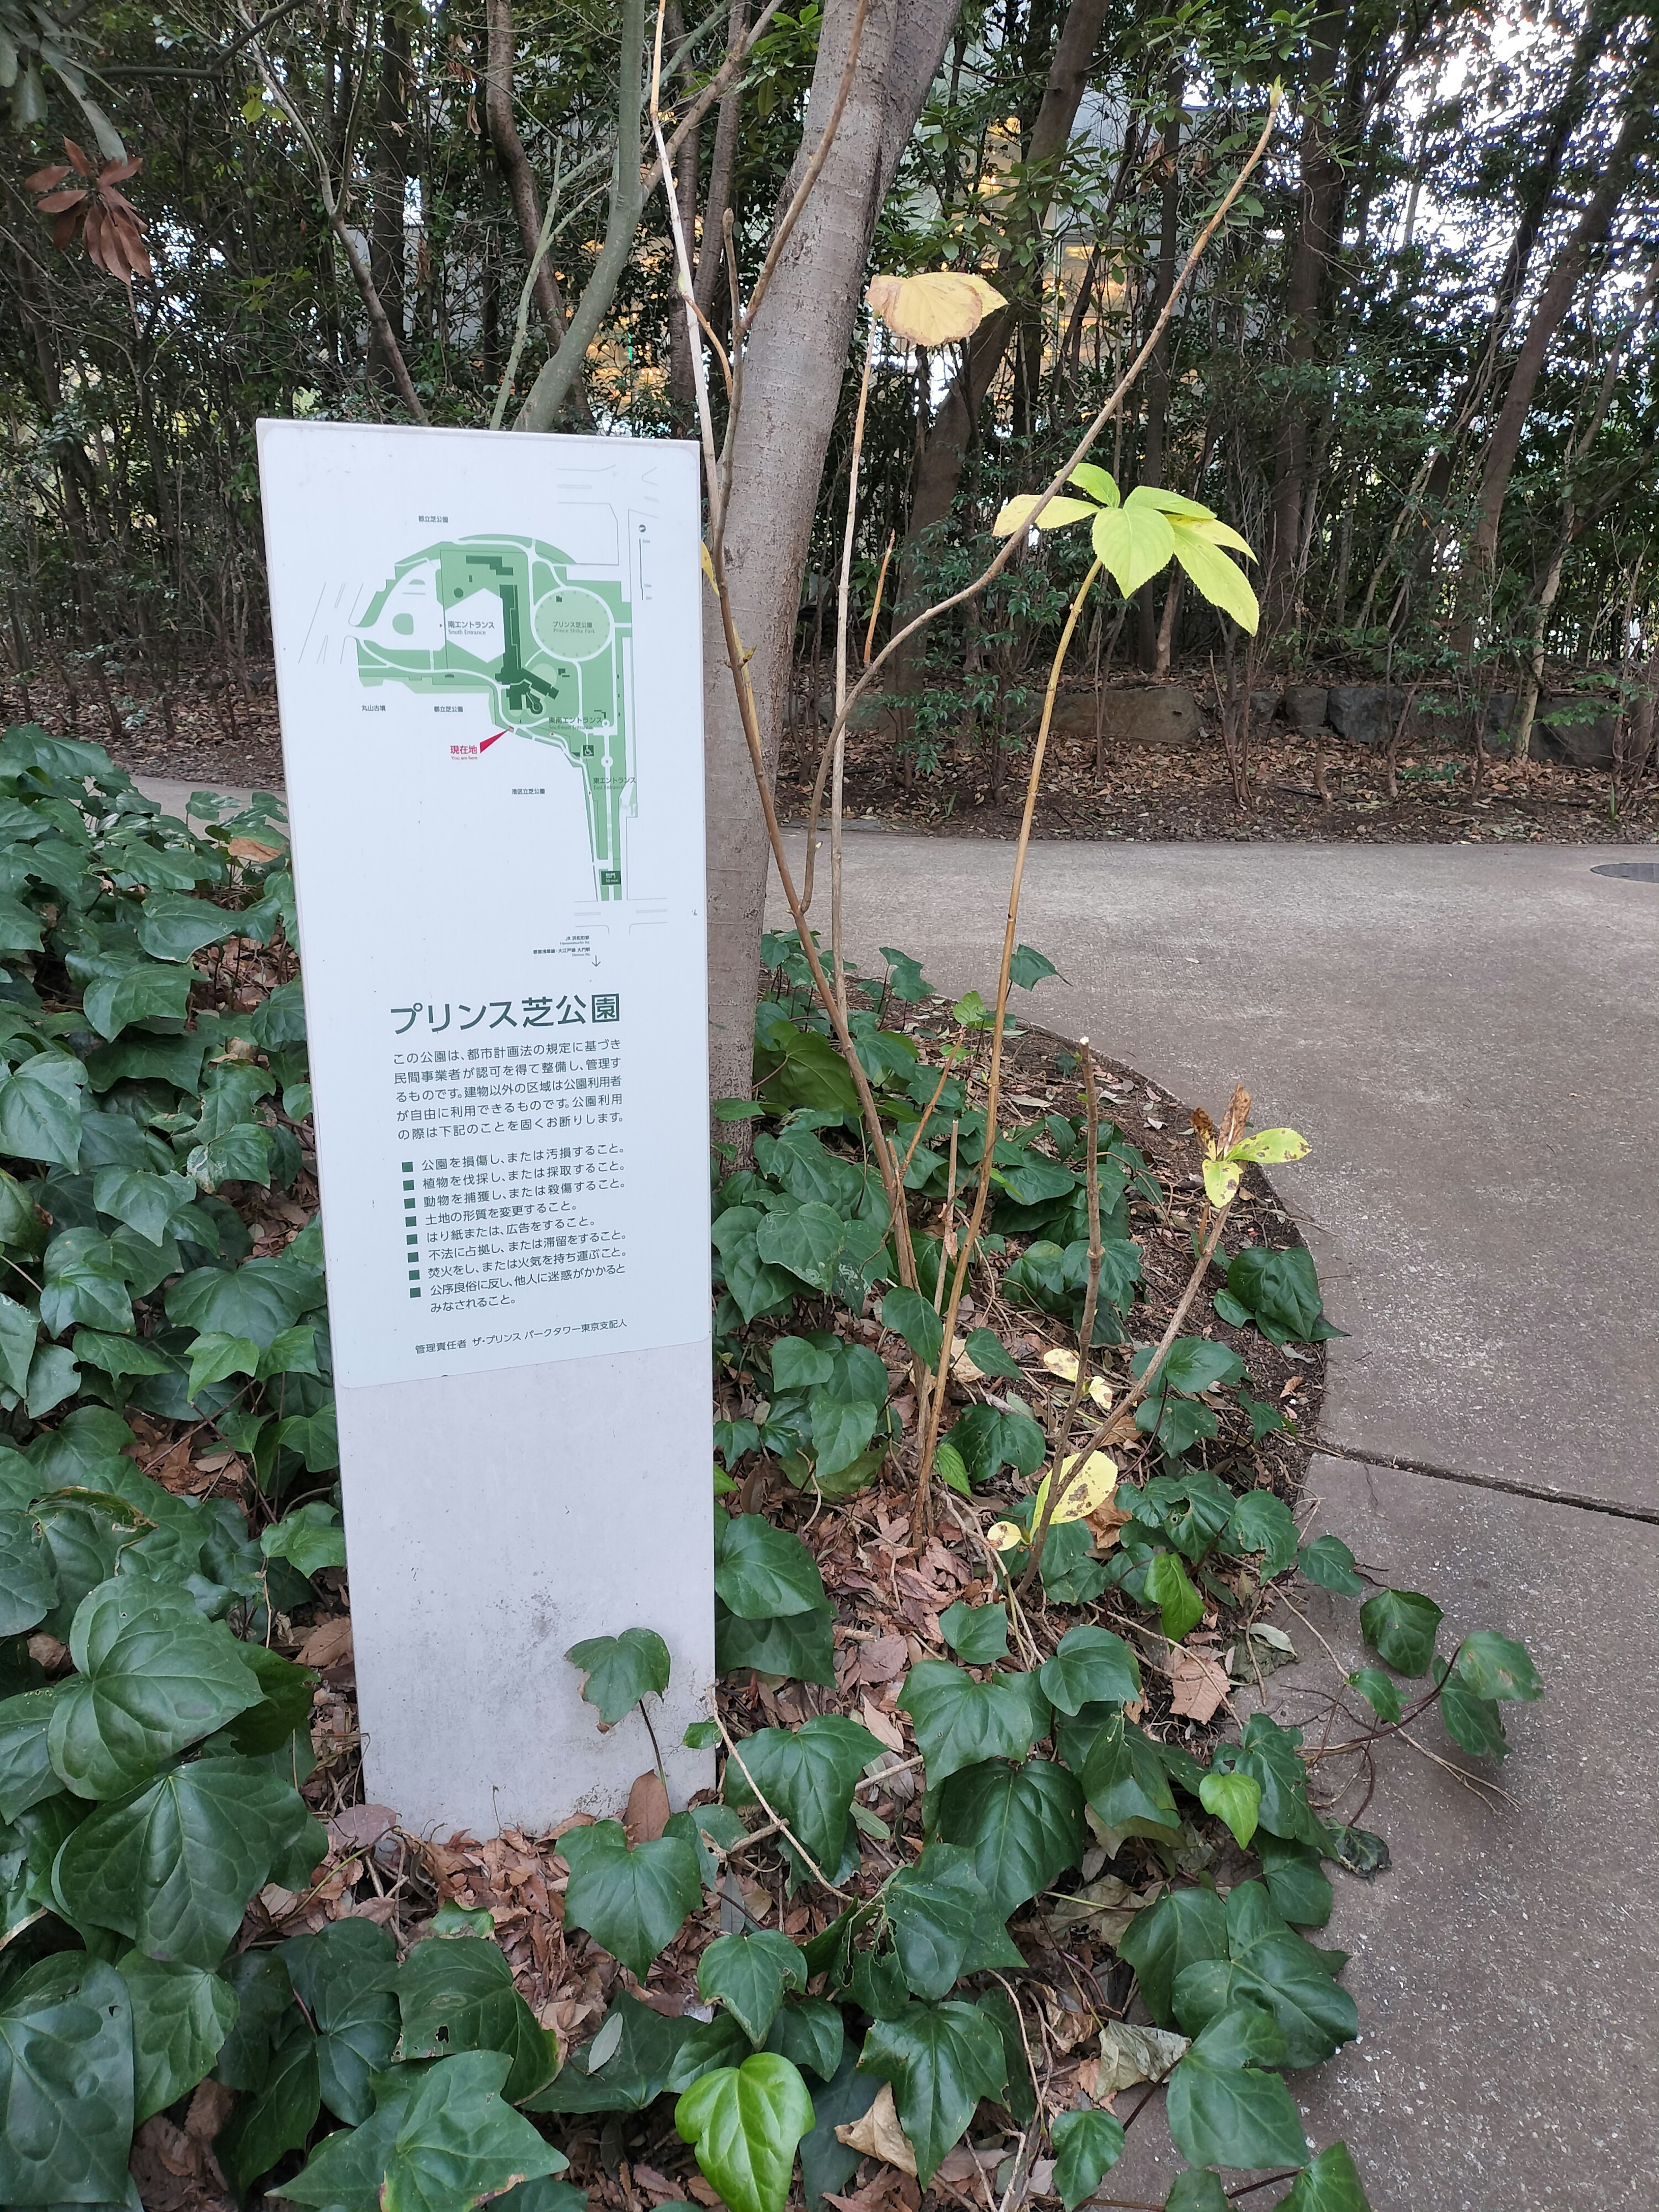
(1469, 1039)
(173, 796)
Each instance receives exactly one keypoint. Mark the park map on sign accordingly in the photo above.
(499, 615)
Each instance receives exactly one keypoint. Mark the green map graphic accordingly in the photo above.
(499, 615)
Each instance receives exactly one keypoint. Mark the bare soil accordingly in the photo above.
(1332, 791)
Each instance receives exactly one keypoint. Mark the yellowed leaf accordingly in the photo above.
(1083, 1490)
(1017, 512)
(1004, 1536)
(1061, 1363)
(933, 308)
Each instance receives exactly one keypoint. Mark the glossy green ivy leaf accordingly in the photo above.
(621, 1670)
(940, 2060)
(1328, 1562)
(762, 1572)
(142, 1200)
(806, 1775)
(172, 925)
(1381, 1692)
(281, 2108)
(624, 2066)
(439, 2138)
(1091, 1666)
(26, 1775)
(633, 1902)
(912, 1316)
(943, 1921)
(1184, 1928)
(1295, 1882)
(1261, 1523)
(1179, 1604)
(346, 1975)
(799, 1645)
(1235, 1799)
(988, 1440)
(258, 1300)
(1023, 1824)
(180, 2017)
(809, 2032)
(1273, 1756)
(309, 1539)
(1331, 2183)
(84, 1281)
(1270, 1966)
(958, 1721)
(991, 1356)
(173, 1866)
(1087, 2145)
(745, 2122)
(1400, 1627)
(28, 1576)
(804, 1242)
(1496, 1667)
(40, 1108)
(154, 1676)
(749, 1973)
(978, 1634)
(1122, 1776)
(1198, 2190)
(66, 2083)
(1225, 2111)
(1474, 1724)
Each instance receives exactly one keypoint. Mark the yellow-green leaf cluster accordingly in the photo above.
(1135, 538)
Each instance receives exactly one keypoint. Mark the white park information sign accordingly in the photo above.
(489, 664)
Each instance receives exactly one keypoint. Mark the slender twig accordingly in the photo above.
(717, 469)
(982, 1190)
(1060, 1483)
(781, 1826)
(881, 585)
(838, 782)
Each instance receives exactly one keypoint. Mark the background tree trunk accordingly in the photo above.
(1318, 238)
(385, 232)
(791, 388)
(951, 434)
(1156, 380)
(1590, 231)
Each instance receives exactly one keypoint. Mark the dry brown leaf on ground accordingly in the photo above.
(1129, 2055)
(704, 2191)
(878, 2134)
(646, 1815)
(328, 1644)
(882, 1725)
(1068, 2024)
(657, 2187)
(1201, 1687)
(358, 1826)
(1103, 1909)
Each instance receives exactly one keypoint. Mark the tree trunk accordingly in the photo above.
(1157, 369)
(1498, 464)
(952, 430)
(682, 380)
(385, 227)
(515, 165)
(1318, 238)
(1536, 189)
(792, 388)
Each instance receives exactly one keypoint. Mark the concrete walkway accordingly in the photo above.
(1468, 1038)
(173, 796)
